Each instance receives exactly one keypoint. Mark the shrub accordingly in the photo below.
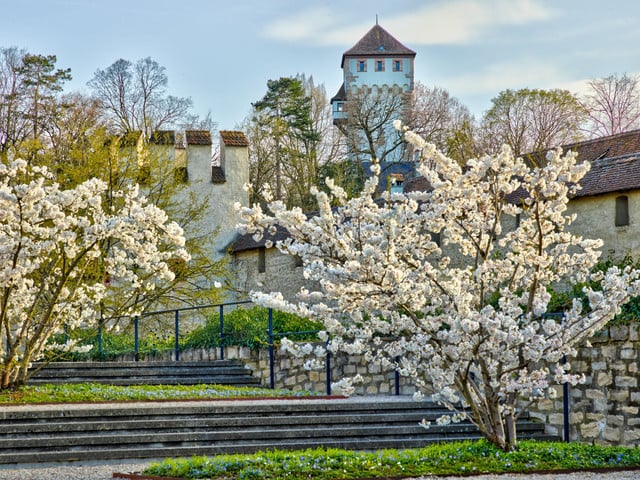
(249, 327)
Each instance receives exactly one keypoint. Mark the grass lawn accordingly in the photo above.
(456, 458)
(95, 392)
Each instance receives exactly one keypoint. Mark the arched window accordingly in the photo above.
(622, 211)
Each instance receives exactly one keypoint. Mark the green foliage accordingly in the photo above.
(630, 312)
(455, 458)
(113, 345)
(95, 392)
(246, 327)
(532, 120)
(249, 327)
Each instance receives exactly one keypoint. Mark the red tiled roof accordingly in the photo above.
(198, 137)
(378, 41)
(233, 138)
(615, 165)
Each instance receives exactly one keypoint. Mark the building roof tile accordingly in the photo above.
(609, 175)
(198, 137)
(378, 41)
(341, 96)
(232, 138)
(247, 242)
(607, 147)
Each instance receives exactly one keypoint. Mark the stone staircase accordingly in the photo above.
(127, 431)
(225, 372)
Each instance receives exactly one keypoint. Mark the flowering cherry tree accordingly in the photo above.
(57, 247)
(451, 285)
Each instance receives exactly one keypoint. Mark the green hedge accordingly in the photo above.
(247, 327)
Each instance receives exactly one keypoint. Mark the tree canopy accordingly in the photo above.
(451, 286)
(133, 97)
(60, 250)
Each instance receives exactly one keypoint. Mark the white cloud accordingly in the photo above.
(448, 22)
(525, 73)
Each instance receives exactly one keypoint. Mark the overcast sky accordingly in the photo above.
(221, 53)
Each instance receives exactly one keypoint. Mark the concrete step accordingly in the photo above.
(224, 372)
(126, 431)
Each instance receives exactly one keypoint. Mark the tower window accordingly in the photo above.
(379, 65)
(339, 106)
(397, 65)
(362, 65)
(622, 211)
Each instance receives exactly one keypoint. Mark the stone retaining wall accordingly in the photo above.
(290, 375)
(605, 408)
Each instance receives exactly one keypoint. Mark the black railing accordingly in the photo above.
(176, 320)
(272, 337)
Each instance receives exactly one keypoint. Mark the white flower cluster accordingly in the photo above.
(56, 249)
(463, 317)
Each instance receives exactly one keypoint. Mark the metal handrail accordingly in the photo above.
(272, 336)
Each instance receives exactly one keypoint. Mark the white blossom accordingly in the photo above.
(53, 241)
(464, 320)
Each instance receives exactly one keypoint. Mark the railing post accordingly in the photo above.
(136, 342)
(221, 318)
(397, 377)
(177, 337)
(565, 401)
(328, 369)
(565, 404)
(100, 323)
(272, 378)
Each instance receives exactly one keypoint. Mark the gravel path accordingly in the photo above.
(104, 472)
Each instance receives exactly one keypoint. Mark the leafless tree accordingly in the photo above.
(368, 127)
(441, 119)
(532, 120)
(134, 97)
(612, 105)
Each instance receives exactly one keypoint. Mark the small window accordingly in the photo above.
(262, 260)
(397, 65)
(362, 65)
(297, 261)
(622, 211)
(517, 220)
(379, 65)
(339, 106)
